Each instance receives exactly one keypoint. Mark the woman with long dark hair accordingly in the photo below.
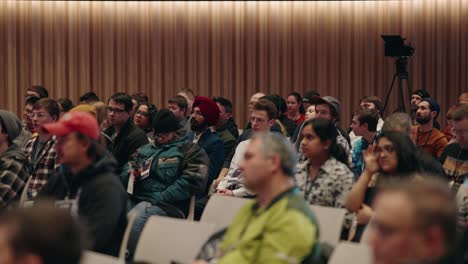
(143, 118)
(324, 178)
(295, 110)
(393, 156)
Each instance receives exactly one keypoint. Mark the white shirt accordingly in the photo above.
(234, 180)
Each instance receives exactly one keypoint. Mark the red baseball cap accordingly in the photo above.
(77, 121)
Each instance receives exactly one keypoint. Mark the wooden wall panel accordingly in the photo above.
(231, 49)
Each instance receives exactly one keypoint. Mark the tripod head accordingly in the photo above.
(401, 64)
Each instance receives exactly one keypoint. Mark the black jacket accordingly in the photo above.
(126, 143)
(289, 124)
(102, 202)
(231, 126)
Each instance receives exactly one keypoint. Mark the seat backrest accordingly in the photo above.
(191, 212)
(221, 210)
(165, 240)
(24, 194)
(123, 246)
(91, 257)
(348, 252)
(330, 223)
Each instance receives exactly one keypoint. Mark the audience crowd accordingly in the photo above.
(71, 175)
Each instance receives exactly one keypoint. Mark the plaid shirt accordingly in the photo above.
(14, 171)
(43, 167)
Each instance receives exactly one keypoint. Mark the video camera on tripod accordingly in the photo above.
(395, 47)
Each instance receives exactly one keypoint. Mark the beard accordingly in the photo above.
(423, 120)
(196, 126)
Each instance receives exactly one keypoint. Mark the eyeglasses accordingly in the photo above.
(38, 115)
(257, 120)
(145, 114)
(387, 148)
(115, 110)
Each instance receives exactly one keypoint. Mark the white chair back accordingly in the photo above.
(24, 194)
(123, 247)
(348, 252)
(165, 240)
(221, 210)
(330, 223)
(91, 257)
(191, 212)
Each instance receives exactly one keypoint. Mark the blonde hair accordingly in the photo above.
(101, 114)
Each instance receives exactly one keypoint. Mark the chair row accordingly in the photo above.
(170, 240)
(343, 253)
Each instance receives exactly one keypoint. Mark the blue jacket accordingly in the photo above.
(214, 148)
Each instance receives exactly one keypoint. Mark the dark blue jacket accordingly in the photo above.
(214, 148)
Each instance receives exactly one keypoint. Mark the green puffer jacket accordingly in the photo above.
(178, 170)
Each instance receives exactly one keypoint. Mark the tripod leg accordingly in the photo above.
(388, 93)
(410, 92)
(402, 97)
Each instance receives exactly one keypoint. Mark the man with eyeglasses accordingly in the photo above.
(455, 161)
(27, 125)
(122, 136)
(162, 176)
(41, 147)
(262, 118)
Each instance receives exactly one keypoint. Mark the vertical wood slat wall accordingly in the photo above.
(229, 48)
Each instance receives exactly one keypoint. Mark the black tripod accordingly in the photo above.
(402, 74)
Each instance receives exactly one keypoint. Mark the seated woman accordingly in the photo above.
(295, 109)
(143, 118)
(393, 156)
(324, 177)
(297, 136)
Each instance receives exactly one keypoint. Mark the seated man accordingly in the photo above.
(162, 176)
(425, 135)
(179, 107)
(414, 222)
(40, 235)
(41, 147)
(329, 107)
(205, 113)
(122, 137)
(14, 164)
(364, 125)
(221, 127)
(369, 102)
(88, 186)
(262, 118)
(278, 226)
(28, 128)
